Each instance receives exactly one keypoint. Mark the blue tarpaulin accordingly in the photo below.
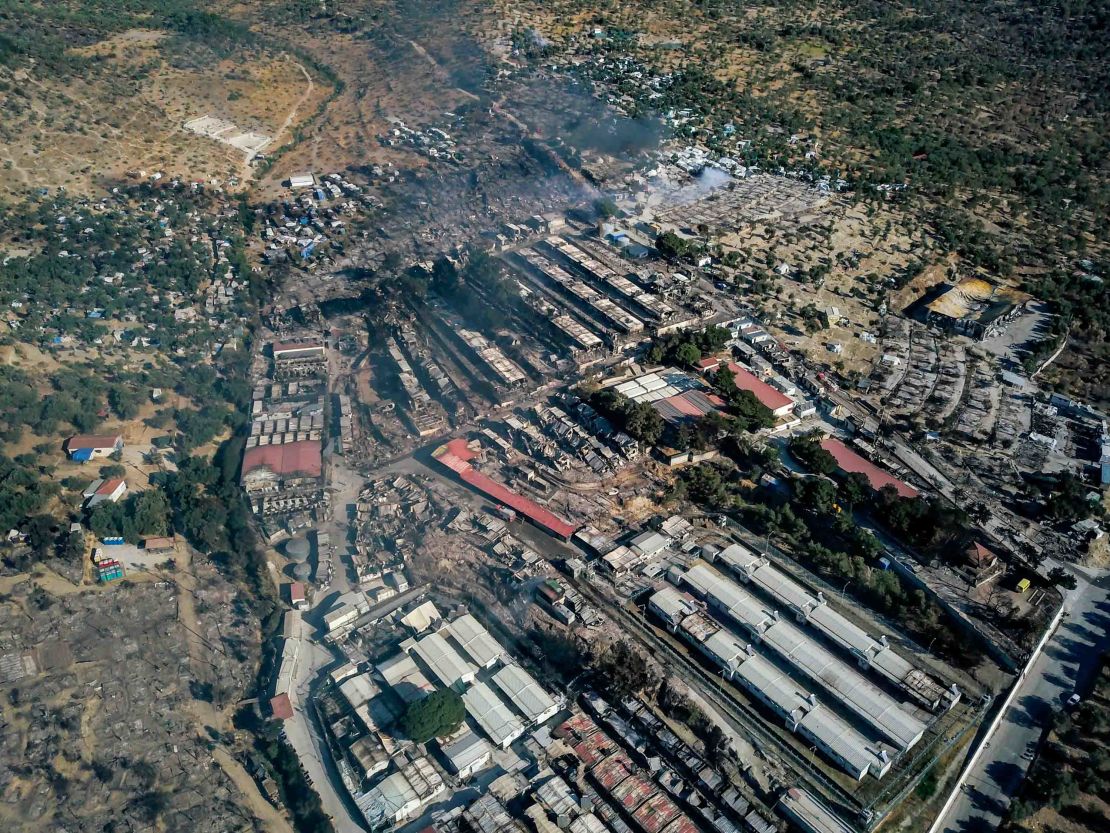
(82, 455)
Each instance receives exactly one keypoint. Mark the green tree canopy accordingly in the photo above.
(437, 715)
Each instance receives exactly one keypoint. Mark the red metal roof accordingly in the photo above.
(684, 405)
(586, 753)
(296, 592)
(710, 363)
(633, 791)
(289, 458)
(769, 396)
(456, 456)
(92, 441)
(281, 707)
(849, 461)
(656, 813)
(681, 825)
(578, 724)
(109, 486)
(612, 770)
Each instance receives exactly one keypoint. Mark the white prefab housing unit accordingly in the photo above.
(468, 754)
(526, 694)
(671, 605)
(797, 708)
(302, 181)
(837, 740)
(487, 710)
(442, 660)
(475, 641)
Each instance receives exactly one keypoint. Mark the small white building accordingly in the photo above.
(104, 491)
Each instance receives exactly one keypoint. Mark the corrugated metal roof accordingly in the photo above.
(487, 709)
(406, 680)
(475, 640)
(525, 693)
(656, 813)
(456, 456)
(94, 441)
(767, 395)
(613, 770)
(443, 660)
(633, 791)
(288, 458)
(849, 461)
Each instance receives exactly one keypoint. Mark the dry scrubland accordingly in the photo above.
(85, 131)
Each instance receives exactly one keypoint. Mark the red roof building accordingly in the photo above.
(159, 543)
(98, 442)
(777, 402)
(281, 707)
(287, 459)
(296, 594)
(456, 456)
(84, 447)
(633, 791)
(110, 487)
(578, 725)
(656, 813)
(610, 772)
(682, 824)
(848, 461)
(290, 349)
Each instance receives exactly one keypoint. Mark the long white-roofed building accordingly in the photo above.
(492, 715)
(799, 709)
(804, 654)
(442, 660)
(813, 609)
(475, 641)
(526, 695)
(405, 678)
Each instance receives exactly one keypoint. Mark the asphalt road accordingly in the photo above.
(304, 737)
(1067, 663)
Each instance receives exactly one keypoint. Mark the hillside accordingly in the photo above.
(98, 91)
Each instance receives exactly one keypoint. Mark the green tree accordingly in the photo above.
(688, 354)
(623, 671)
(671, 246)
(644, 423)
(437, 715)
(150, 512)
(815, 494)
(807, 450)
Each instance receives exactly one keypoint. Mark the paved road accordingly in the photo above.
(1068, 662)
(302, 734)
